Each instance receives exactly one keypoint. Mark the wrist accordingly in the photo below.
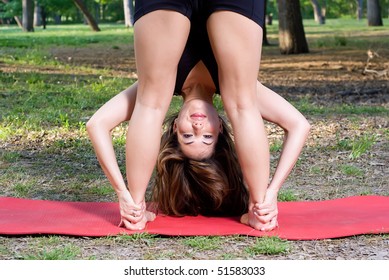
(273, 188)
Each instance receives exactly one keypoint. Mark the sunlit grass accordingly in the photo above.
(349, 33)
(357, 146)
(65, 35)
(203, 243)
(268, 246)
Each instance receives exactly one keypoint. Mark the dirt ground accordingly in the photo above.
(324, 78)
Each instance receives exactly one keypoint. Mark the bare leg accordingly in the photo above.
(160, 38)
(277, 110)
(236, 42)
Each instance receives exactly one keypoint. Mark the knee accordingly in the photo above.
(91, 125)
(239, 100)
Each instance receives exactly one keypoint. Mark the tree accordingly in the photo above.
(359, 9)
(88, 16)
(128, 12)
(291, 30)
(374, 17)
(28, 15)
(318, 11)
(37, 14)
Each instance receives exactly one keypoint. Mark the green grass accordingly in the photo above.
(276, 146)
(36, 101)
(268, 246)
(307, 107)
(65, 35)
(351, 170)
(345, 33)
(357, 146)
(287, 195)
(68, 252)
(203, 243)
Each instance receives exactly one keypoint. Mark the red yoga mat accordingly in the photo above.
(304, 220)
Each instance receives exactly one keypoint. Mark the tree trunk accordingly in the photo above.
(374, 17)
(37, 14)
(128, 13)
(28, 15)
(318, 12)
(88, 16)
(359, 9)
(291, 30)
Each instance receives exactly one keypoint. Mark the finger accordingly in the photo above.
(265, 207)
(262, 219)
(270, 226)
(136, 213)
(131, 218)
(265, 212)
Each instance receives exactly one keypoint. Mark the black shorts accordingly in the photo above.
(198, 46)
(252, 9)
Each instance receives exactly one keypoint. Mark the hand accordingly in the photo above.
(147, 216)
(251, 219)
(133, 216)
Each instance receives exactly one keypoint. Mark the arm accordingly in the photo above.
(110, 115)
(276, 109)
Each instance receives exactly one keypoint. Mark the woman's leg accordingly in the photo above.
(236, 42)
(160, 38)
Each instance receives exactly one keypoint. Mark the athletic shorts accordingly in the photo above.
(198, 46)
(252, 9)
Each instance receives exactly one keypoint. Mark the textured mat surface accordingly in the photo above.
(297, 220)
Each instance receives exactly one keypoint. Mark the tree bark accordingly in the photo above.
(37, 14)
(88, 16)
(128, 12)
(291, 30)
(359, 9)
(374, 17)
(318, 12)
(28, 15)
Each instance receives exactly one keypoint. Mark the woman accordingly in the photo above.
(132, 205)
(167, 191)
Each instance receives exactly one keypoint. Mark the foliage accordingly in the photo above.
(10, 9)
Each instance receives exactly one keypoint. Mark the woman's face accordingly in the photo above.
(197, 127)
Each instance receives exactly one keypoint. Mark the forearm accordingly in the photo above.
(102, 143)
(293, 144)
(277, 110)
(111, 114)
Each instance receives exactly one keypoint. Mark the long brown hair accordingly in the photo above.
(211, 186)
